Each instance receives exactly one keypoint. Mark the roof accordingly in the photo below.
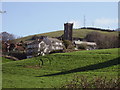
(54, 39)
(48, 38)
(34, 41)
(20, 48)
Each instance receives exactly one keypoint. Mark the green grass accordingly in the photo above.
(4, 60)
(63, 67)
(80, 33)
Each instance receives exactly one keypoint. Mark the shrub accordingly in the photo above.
(82, 46)
(97, 82)
(18, 55)
(103, 41)
(56, 51)
(68, 44)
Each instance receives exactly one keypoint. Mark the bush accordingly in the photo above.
(56, 51)
(82, 46)
(18, 55)
(103, 41)
(68, 44)
(97, 82)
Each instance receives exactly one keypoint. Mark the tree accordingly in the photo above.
(34, 37)
(68, 44)
(4, 47)
(7, 36)
(93, 36)
(82, 46)
(103, 41)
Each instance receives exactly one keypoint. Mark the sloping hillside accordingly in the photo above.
(59, 68)
(80, 33)
(5, 60)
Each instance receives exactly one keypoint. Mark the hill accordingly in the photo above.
(4, 60)
(80, 33)
(59, 68)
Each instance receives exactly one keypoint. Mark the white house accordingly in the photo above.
(44, 46)
(90, 45)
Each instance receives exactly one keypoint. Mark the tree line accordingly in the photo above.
(103, 40)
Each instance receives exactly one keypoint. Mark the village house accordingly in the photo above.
(89, 45)
(43, 46)
(19, 47)
(13, 47)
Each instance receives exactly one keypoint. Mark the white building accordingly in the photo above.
(90, 45)
(44, 46)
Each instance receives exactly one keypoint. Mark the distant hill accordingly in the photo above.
(80, 33)
(118, 29)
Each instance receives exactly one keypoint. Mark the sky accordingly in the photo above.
(29, 18)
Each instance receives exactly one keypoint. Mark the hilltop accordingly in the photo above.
(79, 33)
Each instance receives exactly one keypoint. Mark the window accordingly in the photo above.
(57, 43)
(57, 47)
(61, 44)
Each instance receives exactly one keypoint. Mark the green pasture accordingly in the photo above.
(58, 69)
(79, 33)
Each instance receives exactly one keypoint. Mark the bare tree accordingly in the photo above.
(103, 40)
(6, 36)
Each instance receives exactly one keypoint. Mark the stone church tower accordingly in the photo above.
(68, 31)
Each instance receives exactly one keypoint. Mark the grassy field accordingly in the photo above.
(58, 69)
(80, 33)
(4, 60)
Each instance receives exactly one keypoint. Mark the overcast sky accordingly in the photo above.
(29, 18)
